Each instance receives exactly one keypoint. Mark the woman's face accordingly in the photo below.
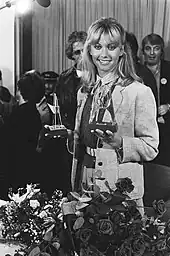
(105, 53)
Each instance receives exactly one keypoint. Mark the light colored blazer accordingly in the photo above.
(135, 113)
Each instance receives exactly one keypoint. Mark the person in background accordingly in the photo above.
(69, 80)
(153, 51)
(7, 102)
(112, 93)
(51, 79)
(19, 135)
(55, 158)
(141, 70)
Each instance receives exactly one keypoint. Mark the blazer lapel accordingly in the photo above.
(117, 97)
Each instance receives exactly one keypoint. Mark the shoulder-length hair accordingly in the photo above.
(125, 66)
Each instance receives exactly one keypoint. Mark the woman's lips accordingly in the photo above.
(104, 62)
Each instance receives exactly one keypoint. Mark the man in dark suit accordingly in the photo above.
(153, 50)
(69, 80)
(141, 70)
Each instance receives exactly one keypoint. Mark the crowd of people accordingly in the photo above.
(116, 109)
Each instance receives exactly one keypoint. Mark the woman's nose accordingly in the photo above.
(104, 52)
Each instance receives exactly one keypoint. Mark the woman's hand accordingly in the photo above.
(113, 139)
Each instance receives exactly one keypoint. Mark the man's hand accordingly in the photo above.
(163, 109)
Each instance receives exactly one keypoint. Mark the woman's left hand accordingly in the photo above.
(113, 139)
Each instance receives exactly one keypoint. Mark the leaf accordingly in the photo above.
(48, 235)
(85, 199)
(56, 245)
(50, 228)
(81, 205)
(75, 195)
(35, 251)
(78, 223)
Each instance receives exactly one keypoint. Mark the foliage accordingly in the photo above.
(102, 224)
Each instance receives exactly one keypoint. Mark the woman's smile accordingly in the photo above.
(105, 53)
(104, 62)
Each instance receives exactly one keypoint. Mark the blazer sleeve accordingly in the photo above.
(144, 145)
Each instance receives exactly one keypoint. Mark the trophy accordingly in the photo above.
(55, 130)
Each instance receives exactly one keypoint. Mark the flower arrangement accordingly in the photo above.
(84, 224)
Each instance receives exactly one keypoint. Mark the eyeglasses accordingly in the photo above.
(77, 52)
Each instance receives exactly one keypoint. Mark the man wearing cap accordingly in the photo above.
(51, 79)
(54, 152)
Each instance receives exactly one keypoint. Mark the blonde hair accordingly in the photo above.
(125, 67)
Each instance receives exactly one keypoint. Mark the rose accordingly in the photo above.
(161, 244)
(34, 204)
(124, 185)
(159, 207)
(167, 227)
(125, 248)
(105, 227)
(168, 242)
(85, 234)
(135, 228)
(116, 217)
(138, 245)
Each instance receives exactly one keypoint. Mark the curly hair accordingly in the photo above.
(31, 86)
(76, 36)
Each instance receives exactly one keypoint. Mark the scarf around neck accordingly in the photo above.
(101, 94)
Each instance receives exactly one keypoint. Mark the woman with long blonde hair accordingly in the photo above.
(115, 128)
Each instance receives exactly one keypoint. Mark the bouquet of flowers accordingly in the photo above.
(84, 224)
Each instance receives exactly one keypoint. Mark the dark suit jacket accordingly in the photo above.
(19, 137)
(165, 88)
(68, 85)
(163, 157)
(148, 78)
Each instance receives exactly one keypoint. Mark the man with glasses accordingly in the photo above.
(153, 51)
(69, 80)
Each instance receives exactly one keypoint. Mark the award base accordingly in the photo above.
(55, 131)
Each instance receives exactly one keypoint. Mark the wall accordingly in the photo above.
(7, 46)
(51, 26)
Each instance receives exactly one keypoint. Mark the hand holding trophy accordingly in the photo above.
(107, 132)
(56, 130)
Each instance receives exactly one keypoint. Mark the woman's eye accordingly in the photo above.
(111, 47)
(97, 46)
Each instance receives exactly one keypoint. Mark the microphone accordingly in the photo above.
(44, 3)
